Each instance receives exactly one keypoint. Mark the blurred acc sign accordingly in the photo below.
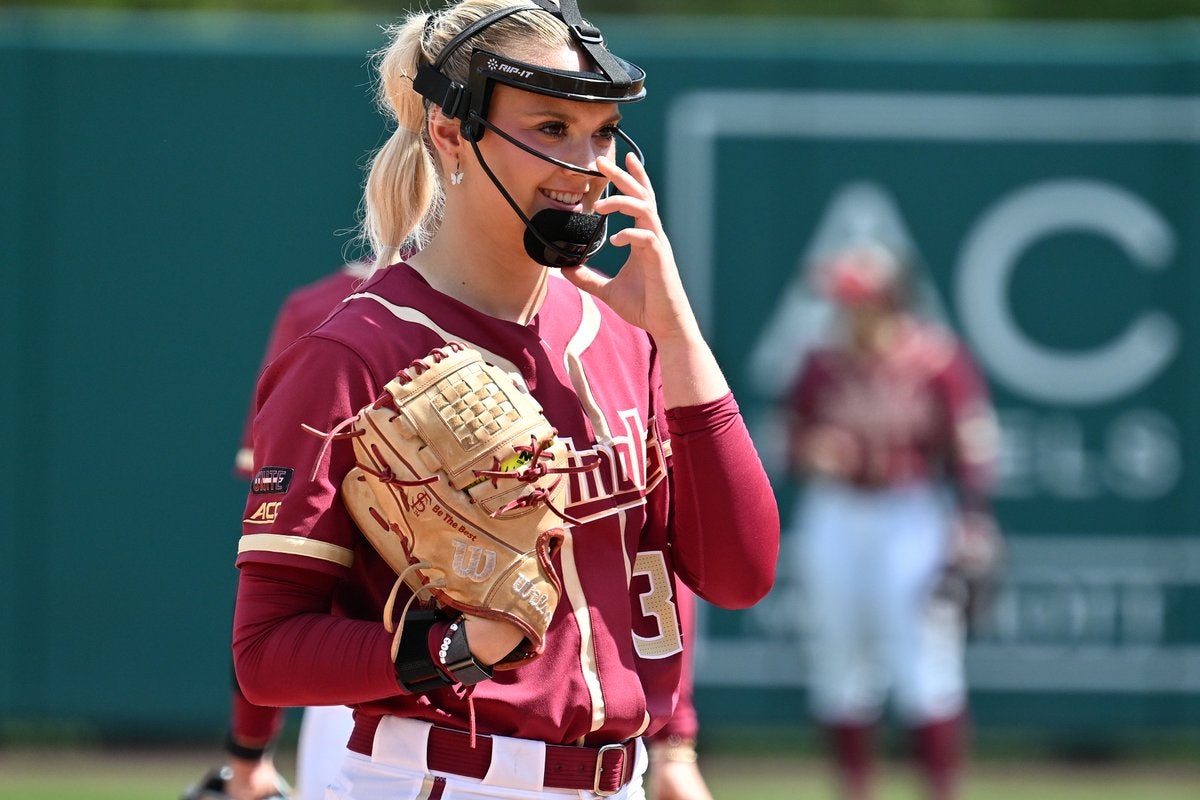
(989, 256)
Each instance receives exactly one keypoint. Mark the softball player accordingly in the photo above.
(506, 143)
(882, 421)
(324, 730)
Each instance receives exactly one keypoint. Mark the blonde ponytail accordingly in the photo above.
(403, 199)
(403, 195)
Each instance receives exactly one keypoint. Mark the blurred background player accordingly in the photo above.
(249, 772)
(883, 420)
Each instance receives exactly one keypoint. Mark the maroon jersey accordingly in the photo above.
(615, 643)
(919, 411)
(302, 310)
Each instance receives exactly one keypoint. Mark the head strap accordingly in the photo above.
(590, 39)
(619, 81)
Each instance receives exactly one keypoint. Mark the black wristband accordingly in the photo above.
(416, 671)
(241, 751)
(456, 658)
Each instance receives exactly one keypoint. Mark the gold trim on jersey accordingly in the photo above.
(628, 468)
(583, 621)
(417, 318)
(295, 546)
(607, 511)
(589, 326)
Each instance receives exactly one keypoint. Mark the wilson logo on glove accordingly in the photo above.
(455, 436)
(473, 563)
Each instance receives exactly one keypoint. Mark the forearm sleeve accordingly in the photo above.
(289, 651)
(726, 520)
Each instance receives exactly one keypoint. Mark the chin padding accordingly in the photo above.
(556, 238)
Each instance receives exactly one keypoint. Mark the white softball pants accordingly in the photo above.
(867, 561)
(321, 748)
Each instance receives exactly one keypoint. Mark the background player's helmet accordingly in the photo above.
(554, 238)
(864, 275)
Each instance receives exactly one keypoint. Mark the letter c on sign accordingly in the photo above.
(989, 256)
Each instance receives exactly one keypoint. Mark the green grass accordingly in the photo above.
(748, 778)
(100, 774)
(53, 774)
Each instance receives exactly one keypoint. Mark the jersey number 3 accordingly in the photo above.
(658, 603)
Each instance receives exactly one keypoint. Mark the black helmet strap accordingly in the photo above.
(588, 37)
(451, 95)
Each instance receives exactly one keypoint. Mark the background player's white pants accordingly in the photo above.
(321, 748)
(397, 770)
(867, 562)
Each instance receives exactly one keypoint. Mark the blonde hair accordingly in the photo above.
(404, 195)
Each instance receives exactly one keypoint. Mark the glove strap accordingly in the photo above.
(415, 670)
(456, 658)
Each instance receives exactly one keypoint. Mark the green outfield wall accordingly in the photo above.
(165, 179)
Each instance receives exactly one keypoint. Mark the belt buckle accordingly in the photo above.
(600, 769)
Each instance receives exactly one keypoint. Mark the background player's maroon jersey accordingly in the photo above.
(917, 411)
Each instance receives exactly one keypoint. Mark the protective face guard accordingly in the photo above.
(470, 103)
(554, 238)
(620, 134)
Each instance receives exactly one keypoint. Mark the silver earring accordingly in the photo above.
(456, 176)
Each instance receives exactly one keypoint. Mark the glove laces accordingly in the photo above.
(533, 470)
(339, 432)
(389, 622)
(417, 366)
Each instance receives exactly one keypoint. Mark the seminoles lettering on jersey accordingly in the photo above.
(624, 470)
